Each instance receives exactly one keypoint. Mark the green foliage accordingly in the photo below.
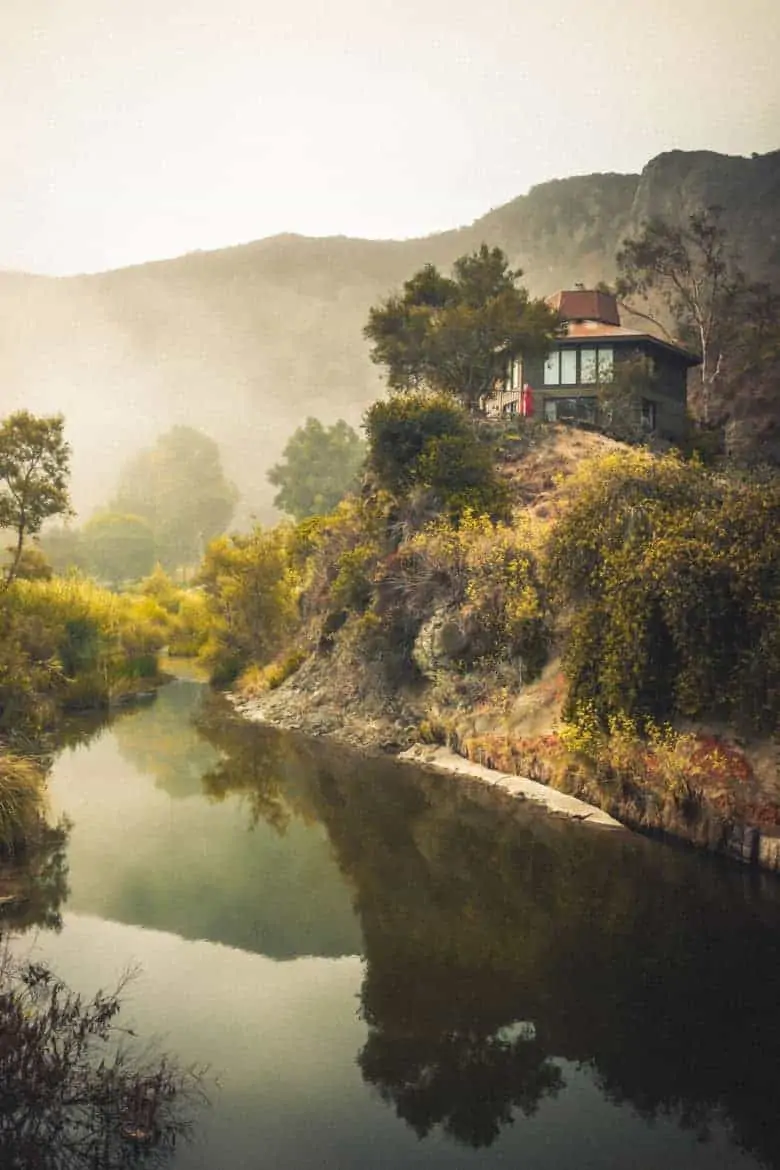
(33, 565)
(672, 577)
(490, 577)
(427, 442)
(63, 547)
(455, 335)
(179, 487)
(68, 643)
(320, 465)
(253, 592)
(118, 547)
(188, 615)
(34, 468)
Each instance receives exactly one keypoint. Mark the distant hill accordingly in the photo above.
(245, 342)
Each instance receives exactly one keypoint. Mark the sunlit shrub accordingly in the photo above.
(670, 577)
(252, 590)
(188, 617)
(256, 680)
(83, 643)
(489, 573)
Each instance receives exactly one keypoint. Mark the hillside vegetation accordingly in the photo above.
(601, 617)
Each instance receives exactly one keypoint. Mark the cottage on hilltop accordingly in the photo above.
(591, 347)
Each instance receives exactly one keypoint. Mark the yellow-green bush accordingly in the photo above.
(427, 441)
(252, 590)
(338, 558)
(490, 573)
(188, 616)
(83, 645)
(257, 679)
(671, 578)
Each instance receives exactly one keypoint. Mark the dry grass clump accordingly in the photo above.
(22, 802)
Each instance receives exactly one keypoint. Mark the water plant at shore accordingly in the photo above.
(75, 1092)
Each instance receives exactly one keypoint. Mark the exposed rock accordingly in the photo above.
(443, 639)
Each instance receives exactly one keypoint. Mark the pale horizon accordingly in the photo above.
(128, 136)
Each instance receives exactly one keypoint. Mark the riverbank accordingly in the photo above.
(519, 752)
(441, 759)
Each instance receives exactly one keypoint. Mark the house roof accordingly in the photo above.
(585, 304)
(598, 331)
(590, 314)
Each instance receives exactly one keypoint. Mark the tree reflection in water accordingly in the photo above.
(654, 968)
(74, 1093)
(34, 886)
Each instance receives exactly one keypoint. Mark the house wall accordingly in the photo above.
(669, 397)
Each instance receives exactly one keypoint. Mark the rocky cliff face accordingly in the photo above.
(246, 341)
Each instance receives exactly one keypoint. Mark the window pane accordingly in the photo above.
(517, 366)
(551, 367)
(568, 367)
(606, 364)
(550, 409)
(587, 366)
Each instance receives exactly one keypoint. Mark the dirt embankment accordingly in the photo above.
(727, 802)
(734, 813)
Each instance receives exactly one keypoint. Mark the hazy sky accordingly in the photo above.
(135, 129)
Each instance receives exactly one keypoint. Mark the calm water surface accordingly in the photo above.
(383, 969)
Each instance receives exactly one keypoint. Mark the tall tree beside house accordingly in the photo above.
(752, 379)
(456, 334)
(694, 270)
(34, 469)
(319, 466)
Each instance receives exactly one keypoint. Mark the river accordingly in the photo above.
(388, 969)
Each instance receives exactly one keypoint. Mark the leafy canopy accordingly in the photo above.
(34, 469)
(119, 547)
(695, 272)
(179, 487)
(456, 334)
(319, 466)
(427, 442)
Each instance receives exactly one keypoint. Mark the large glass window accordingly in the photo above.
(579, 409)
(588, 366)
(573, 367)
(568, 367)
(606, 363)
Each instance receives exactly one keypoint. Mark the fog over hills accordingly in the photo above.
(245, 342)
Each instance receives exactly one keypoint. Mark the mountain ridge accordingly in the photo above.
(246, 341)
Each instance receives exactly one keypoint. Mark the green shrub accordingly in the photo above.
(252, 591)
(489, 574)
(188, 617)
(76, 644)
(427, 441)
(671, 577)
